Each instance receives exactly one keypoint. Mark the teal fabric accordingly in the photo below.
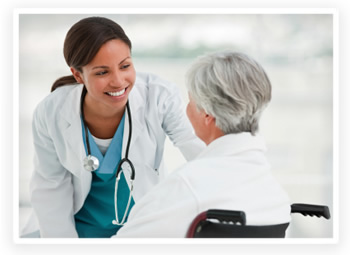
(94, 220)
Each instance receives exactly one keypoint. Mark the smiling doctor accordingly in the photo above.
(109, 114)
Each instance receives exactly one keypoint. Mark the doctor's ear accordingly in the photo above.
(77, 75)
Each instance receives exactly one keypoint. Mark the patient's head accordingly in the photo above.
(228, 92)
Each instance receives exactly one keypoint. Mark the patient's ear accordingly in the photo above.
(77, 75)
(209, 120)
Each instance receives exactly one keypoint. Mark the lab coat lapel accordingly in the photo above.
(136, 102)
(72, 132)
(137, 116)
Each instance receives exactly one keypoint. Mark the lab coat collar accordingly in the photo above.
(231, 144)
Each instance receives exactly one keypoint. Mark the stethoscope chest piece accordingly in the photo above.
(91, 163)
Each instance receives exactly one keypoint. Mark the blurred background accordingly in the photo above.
(296, 51)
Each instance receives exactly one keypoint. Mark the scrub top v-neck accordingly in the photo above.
(95, 217)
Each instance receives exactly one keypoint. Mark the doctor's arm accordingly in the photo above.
(51, 185)
(178, 127)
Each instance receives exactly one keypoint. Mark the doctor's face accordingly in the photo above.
(197, 118)
(109, 77)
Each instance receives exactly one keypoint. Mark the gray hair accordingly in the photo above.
(231, 87)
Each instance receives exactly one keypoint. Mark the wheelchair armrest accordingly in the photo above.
(220, 215)
(227, 216)
(311, 210)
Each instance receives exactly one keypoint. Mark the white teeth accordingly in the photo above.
(116, 94)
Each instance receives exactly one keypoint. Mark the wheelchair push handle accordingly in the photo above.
(311, 210)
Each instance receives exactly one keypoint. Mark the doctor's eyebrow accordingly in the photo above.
(106, 67)
(97, 67)
(124, 59)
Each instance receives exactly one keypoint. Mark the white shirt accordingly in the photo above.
(102, 144)
(232, 173)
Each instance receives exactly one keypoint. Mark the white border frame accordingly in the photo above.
(335, 213)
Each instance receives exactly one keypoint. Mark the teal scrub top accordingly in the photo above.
(94, 219)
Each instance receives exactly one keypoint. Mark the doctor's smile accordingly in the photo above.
(109, 77)
(117, 93)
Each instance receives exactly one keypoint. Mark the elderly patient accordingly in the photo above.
(227, 93)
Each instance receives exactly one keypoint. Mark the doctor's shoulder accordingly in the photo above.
(156, 85)
(50, 106)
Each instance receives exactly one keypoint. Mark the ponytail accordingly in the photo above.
(65, 80)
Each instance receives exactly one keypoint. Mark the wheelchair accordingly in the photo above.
(232, 224)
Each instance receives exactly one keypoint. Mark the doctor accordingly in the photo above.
(72, 195)
(228, 92)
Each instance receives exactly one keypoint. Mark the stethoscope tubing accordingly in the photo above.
(119, 168)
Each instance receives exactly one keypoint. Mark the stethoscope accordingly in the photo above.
(91, 163)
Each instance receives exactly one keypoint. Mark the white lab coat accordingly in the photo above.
(231, 173)
(60, 183)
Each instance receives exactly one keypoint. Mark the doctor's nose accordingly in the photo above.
(117, 80)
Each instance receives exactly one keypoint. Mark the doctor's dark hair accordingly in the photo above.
(231, 87)
(84, 40)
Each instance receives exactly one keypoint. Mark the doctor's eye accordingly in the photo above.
(125, 66)
(101, 73)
